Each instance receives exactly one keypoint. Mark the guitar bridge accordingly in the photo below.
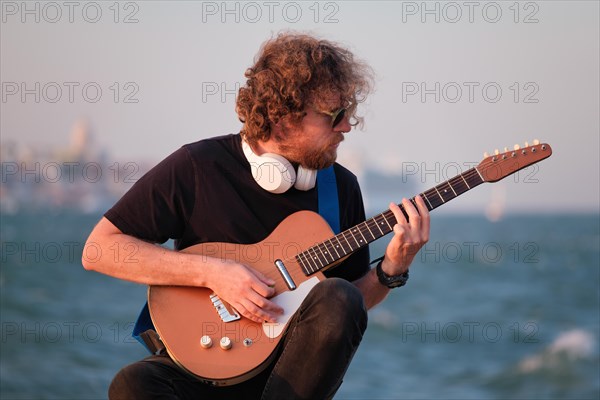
(225, 311)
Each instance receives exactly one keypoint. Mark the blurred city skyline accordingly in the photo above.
(82, 176)
(76, 176)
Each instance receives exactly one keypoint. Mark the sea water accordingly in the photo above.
(492, 310)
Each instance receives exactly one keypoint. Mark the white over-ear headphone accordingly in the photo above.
(275, 174)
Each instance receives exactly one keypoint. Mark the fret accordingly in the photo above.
(337, 237)
(334, 248)
(438, 192)
(474, 179)
(354, 237)
(444, 192)
(370, 231)
(316, 257)
(313, 265)
(423, 195)
(306, 262)
(377, 232)
(433, 199)
(459, 185)
(346, 239)
(378, 227)
(323, 259)
(363, 238)
(326, 251)
(299, 259)
(480, 173)
(450, 185)
(387, 222)
(463, 178)
(414, 203)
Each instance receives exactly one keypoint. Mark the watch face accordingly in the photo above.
(395, 284)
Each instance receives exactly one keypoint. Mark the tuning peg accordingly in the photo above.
(496, 152)
(485, 154)
(526, 144)
(506, 149)
(536, 142)
(516, 147)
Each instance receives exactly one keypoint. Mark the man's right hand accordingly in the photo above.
(246, 290)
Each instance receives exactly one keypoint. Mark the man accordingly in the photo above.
(298, 102)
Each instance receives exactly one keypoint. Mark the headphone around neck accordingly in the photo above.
(275, 174)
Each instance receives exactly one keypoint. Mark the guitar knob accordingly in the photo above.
(225, 343)
(206, 342)
(536, 142)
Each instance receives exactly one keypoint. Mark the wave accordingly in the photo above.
(569, 346)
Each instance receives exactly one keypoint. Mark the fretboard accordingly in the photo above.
(322, 255)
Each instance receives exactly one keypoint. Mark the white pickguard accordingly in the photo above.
(289, 301)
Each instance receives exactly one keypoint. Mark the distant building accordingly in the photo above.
(79, 177)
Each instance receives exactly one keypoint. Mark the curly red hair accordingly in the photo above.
(293, 71)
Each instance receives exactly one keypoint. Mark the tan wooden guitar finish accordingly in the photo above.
(182, 315)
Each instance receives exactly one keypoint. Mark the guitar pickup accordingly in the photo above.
(225, 311)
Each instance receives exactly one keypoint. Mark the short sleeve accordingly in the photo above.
(158, 205)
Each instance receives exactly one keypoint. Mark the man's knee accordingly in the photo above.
(134, 381)
(120, 387)
(342, 304)
(339, 292)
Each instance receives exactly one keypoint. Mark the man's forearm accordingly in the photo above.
(372, 290)
(113, 253)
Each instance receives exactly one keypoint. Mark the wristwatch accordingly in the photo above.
(393, 281)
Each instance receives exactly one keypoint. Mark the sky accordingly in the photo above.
(453, 79)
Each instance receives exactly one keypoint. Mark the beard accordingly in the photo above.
(313, 158)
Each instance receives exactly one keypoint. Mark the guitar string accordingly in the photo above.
(365, 227)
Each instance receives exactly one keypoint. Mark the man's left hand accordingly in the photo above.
(409, 236)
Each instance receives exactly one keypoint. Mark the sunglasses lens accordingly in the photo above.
(339, 117)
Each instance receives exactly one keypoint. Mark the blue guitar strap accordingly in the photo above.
(143, 323)
(329, 206)
(329, 209)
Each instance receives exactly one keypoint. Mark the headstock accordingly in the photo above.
(500, 165)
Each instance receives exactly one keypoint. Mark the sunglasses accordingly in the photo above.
(338, 115)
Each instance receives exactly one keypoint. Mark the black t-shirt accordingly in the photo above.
(204, 192)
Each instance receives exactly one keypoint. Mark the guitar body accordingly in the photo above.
(183, 315)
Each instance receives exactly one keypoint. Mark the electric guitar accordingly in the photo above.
(209, 339)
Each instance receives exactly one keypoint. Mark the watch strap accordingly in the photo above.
(390, 281)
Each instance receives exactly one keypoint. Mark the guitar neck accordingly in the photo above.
(324, 254)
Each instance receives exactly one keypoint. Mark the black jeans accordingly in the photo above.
(312, 359)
